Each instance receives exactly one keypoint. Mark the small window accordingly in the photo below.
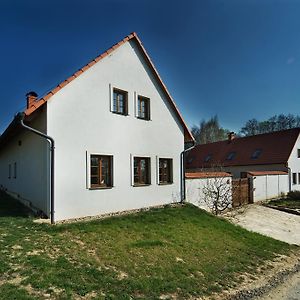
(298, 178)
(101, 171)
(294, 178)
(15, 170)
(231, 156)
(208, 158)
(256, 154)
(120, 102)
(165, 171)
(298, 153)
(9, 171)
(143, 108)
(141, 171)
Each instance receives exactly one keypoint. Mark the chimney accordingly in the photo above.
(31, 98)
(231, 136)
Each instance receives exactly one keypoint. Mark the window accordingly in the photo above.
(231, 156)
(165, 171)
(120, 102)
(143, 108)
(15, 170)
(294, 178)
(9, 171)
(141, 171)
(298, 178)
(101, 171)
(298, 153)
(208, 158)
(256, 154)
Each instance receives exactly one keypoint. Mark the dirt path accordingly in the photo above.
(276, 224)
(289, 290)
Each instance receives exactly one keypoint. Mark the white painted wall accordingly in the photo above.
(294, 164)
(194, 189)
(31, 182)
(236, 170)
(80, 121)
(269, 186)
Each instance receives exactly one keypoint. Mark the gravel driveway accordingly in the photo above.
(274, 223)
(289, 290)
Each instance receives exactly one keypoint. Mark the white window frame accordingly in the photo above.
(111, 98)
(136, 96)
(88, 169)
(132, 156)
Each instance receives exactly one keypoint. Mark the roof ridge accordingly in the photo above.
(253, 136)
(129, 37)
(62, 84)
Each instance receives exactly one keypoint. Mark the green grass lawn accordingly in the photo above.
(176, 251)
(288, 203)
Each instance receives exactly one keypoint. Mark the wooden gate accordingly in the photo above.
(241, 192)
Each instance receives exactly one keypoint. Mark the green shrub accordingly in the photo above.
(295, 195)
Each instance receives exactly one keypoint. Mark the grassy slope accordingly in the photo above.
(182, 251)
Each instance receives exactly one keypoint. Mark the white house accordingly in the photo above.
(118, 135)
(268, 154)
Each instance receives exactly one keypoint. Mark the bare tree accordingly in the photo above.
(209, 131)
(217, 193)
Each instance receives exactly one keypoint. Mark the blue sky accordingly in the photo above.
(237, 59)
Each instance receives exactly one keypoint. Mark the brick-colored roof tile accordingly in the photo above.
(40, 102)
(196, 175)
(275, 148)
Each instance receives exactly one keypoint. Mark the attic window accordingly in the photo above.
(208, 158)
(190, 159)
(231, 156)
(120, 102)
(256, 154)
(298, 153)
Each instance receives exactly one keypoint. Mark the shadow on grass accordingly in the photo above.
(10, 207)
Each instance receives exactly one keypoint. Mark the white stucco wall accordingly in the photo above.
(269, 186)
(31, 182)
(294, 164)
(194, 189)
(80, 121)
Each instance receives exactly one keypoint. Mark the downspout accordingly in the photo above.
(21, 117)
(182, 158)
(290, 178)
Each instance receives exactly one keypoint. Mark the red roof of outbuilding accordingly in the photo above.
(206, 175)
(262, 173)
(275, 148)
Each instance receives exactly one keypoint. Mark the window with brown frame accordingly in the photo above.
(143, 108)
(294, 178)
(101, 171)
(141, 171)
(120, 102)
(165, 171)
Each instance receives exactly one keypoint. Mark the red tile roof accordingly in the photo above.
(275, 148)
(133, 36)
(262, 173)
(206, 175)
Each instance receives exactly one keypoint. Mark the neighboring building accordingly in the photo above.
(276, 151)
(118, 140)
